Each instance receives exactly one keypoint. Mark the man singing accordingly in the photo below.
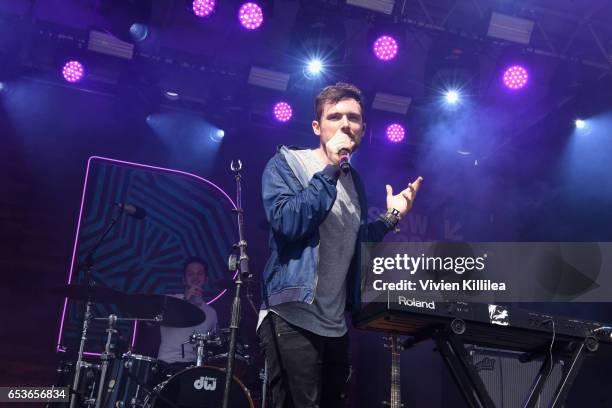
(318, 218)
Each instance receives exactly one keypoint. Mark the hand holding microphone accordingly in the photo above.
(194, 294)
(338, 150)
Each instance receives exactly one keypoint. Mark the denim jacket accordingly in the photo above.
(295, 207)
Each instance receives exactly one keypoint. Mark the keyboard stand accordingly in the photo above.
(571, 355)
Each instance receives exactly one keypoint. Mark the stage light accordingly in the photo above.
(216, 135)
(268, 79)
(391, 103)
(1, 86)
(395, 133)
(250, 16)
(381, 6)
(580, 124)
(385, 48)
(515, 77)
(510, 28)
(314, 66)
(106, 43)
(282, 111)
(452, 97)
(203, 8)
(171, 95)
(73, 71)
(139, 32)
(452, 72)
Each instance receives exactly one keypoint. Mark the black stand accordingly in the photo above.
(241, 265)
(452, 348)
(90, 281)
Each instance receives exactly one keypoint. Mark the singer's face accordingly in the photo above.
(195, 275)
(344, 116)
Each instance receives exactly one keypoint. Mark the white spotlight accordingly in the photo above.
(216, 135)
(315, 66)
(580, 124)
(452, 97)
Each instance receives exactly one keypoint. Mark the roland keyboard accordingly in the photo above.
(478, 323)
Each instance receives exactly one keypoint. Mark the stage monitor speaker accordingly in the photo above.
(508, 380)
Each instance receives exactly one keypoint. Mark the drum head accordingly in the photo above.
(200, 387)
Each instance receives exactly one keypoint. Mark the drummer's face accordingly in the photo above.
(195, 275)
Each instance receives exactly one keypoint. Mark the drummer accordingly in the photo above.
(195, 277)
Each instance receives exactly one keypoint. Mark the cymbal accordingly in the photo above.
(176, 312)
(98, 294)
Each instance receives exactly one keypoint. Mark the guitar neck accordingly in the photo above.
(396, 399)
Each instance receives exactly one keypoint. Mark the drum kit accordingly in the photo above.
(122, 380)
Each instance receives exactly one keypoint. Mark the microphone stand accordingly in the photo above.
(240, 264)
(89, 263)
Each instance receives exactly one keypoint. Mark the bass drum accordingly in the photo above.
(199, 387)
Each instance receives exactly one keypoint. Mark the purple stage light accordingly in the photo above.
(204, 8)
(282, 111)
(515, 77)
(385, 48)
(395, 133)
(73, 71)
(250, 16)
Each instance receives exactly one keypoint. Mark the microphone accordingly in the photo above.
(345, 155)
(132, 210)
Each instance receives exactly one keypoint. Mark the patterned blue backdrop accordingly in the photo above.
(186, 215)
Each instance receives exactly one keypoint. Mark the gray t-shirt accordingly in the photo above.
(338, 234)
(173, 337)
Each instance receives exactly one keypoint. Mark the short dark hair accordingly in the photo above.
(195, 259)
(334, 94)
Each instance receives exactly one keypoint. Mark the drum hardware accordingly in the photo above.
(166, 310)
(89, 291)
(87, 384)
(105, 389)
(163, 310)
(202, 340)
(126, 381)
(106, 356)
(92, 293)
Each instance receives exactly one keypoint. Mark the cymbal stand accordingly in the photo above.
(236, 264)
(106, 356)
(89, 263)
